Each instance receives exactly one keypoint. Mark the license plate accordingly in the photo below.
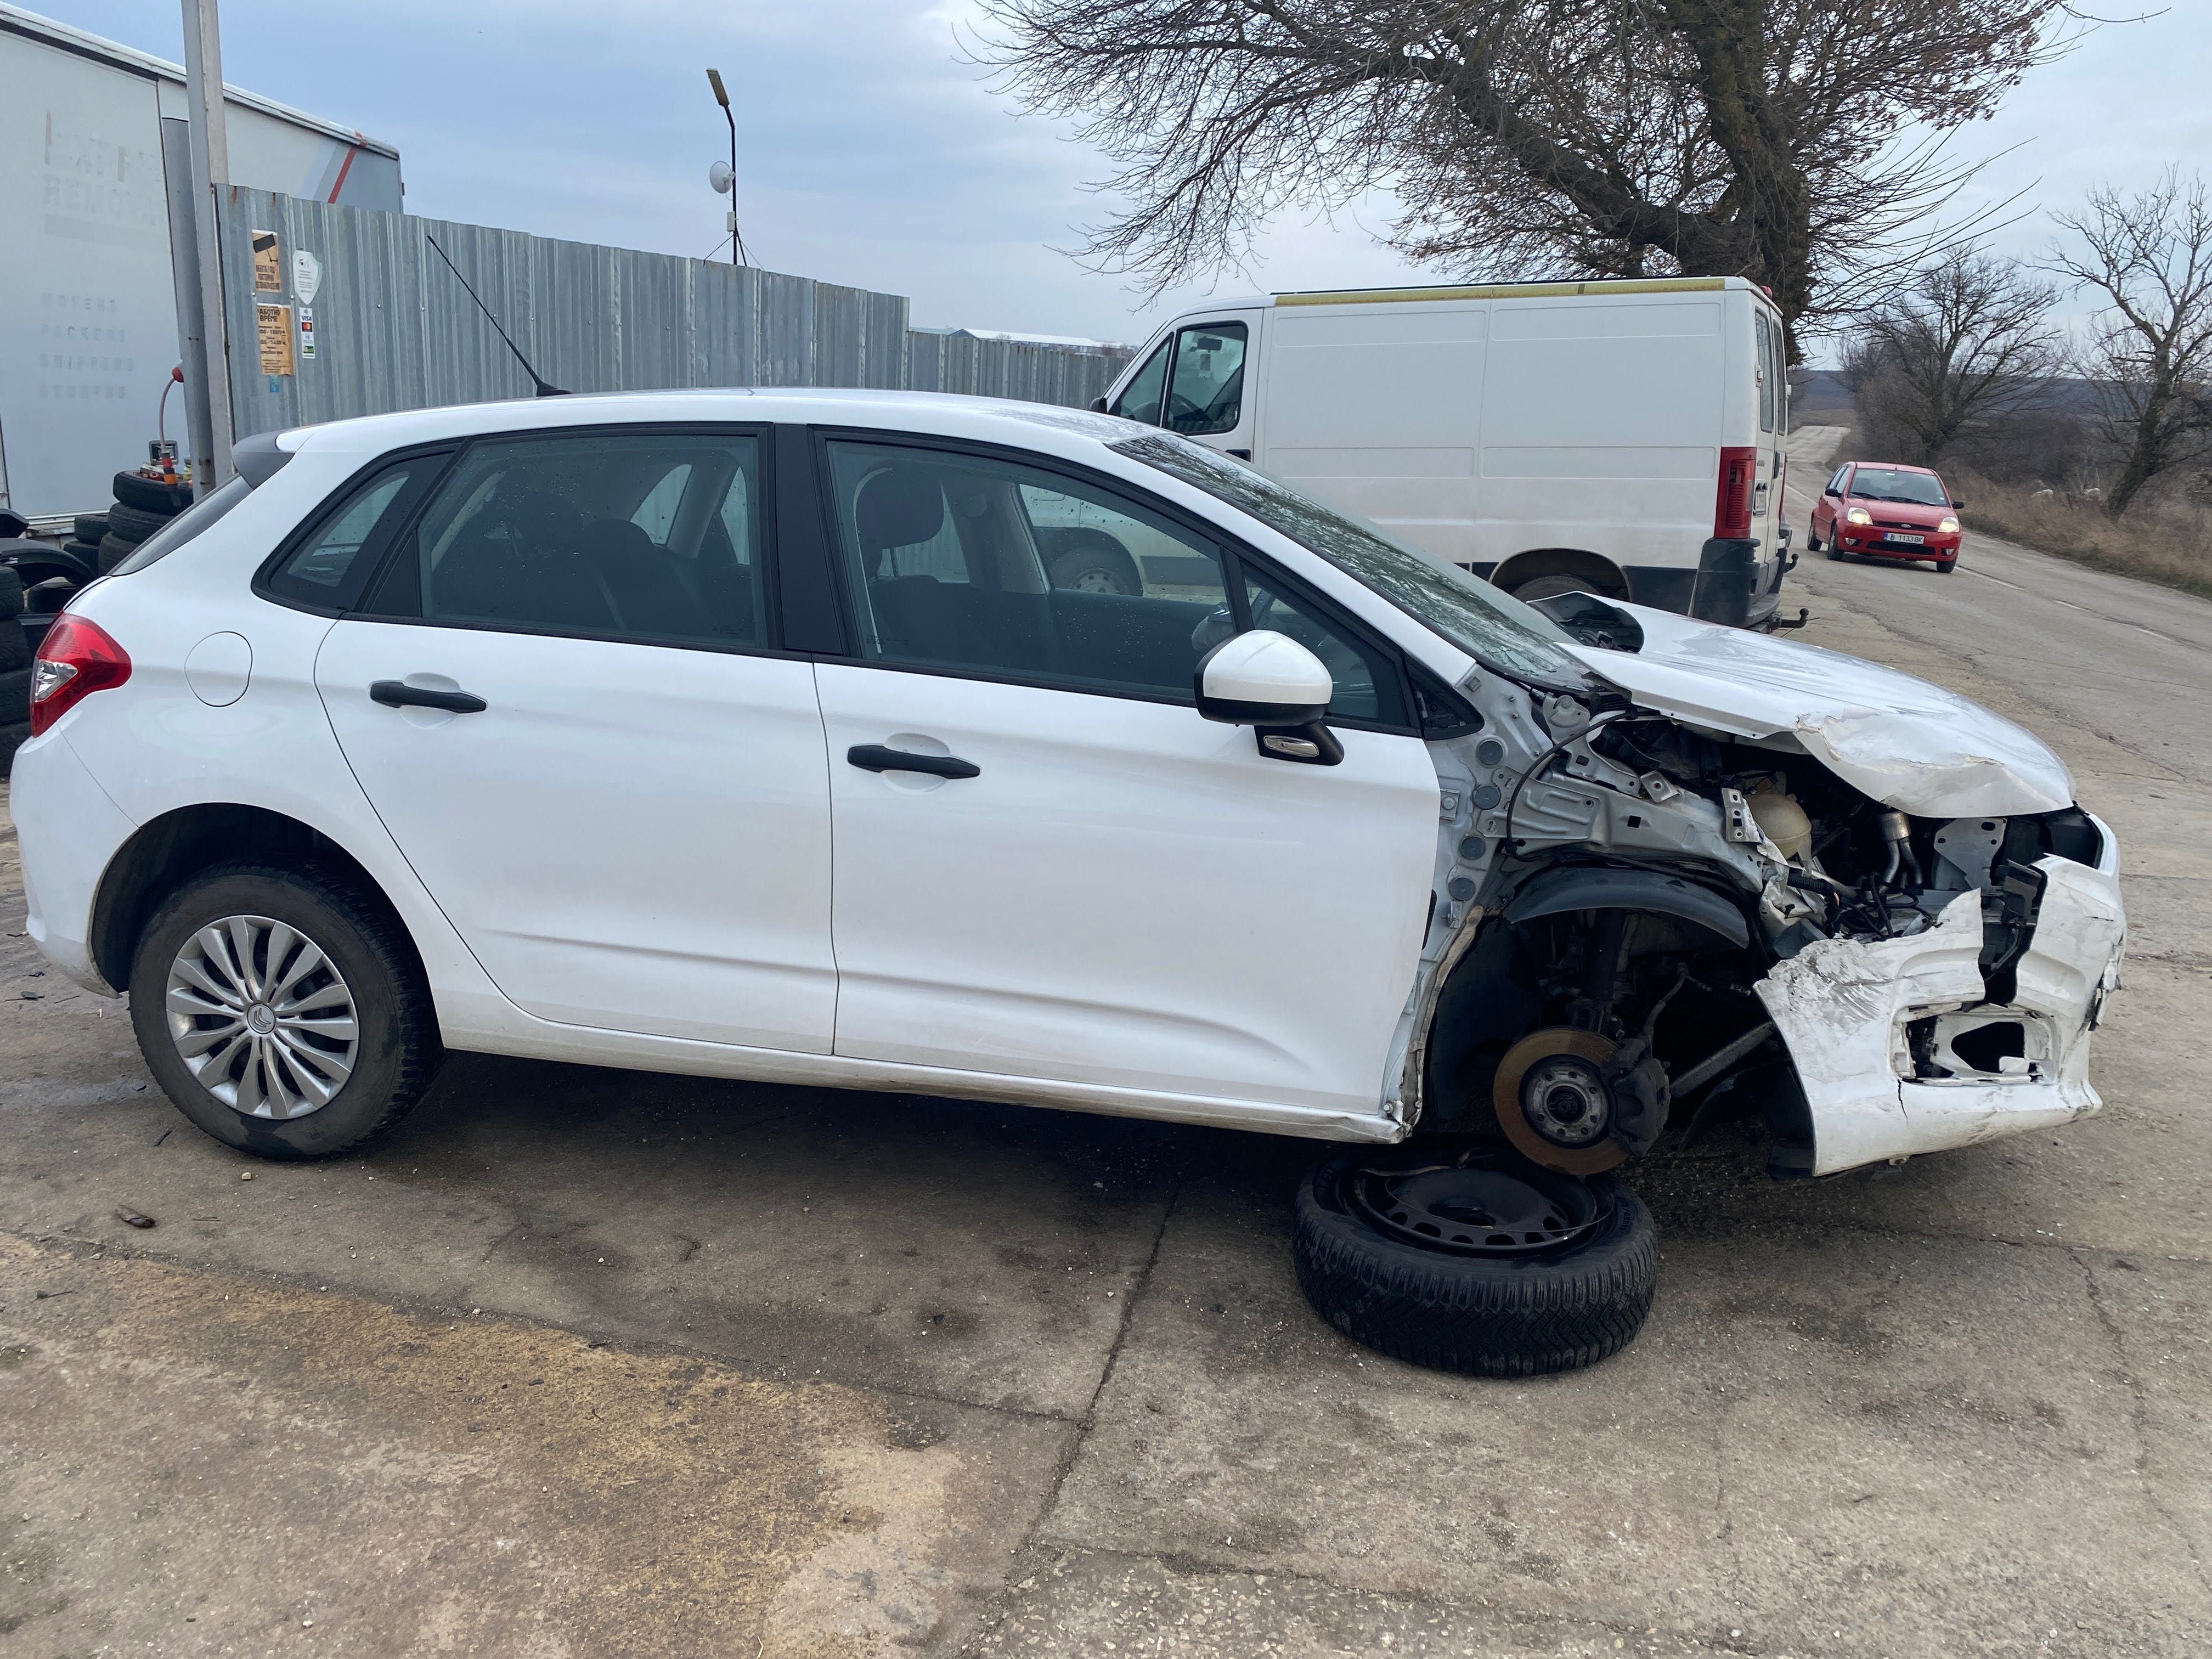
(1909, 541)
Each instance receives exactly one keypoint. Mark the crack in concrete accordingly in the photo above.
(2139, 1418)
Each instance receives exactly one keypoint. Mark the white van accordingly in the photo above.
(1622, 438)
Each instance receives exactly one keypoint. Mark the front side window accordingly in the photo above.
(970, 562)
(1367, 686)
(1206, 393)
(1140, 398)
(651, 536)
(1489, 624)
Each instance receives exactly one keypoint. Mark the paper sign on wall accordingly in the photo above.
(273, 328)
(268, 263)
(307, 277)
(306, 334)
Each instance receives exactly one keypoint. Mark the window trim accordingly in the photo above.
(1234, 554)
(763, 435)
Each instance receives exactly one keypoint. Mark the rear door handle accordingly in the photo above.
(397, 694)
(875, 758)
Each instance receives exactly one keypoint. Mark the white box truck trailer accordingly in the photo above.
(1622, 438)
(88, 299)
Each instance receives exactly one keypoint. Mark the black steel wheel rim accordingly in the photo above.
(1480, 1202)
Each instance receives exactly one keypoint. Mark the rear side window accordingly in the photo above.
(201, 515)
(646, 536)
(1765, 357)
(327, 569)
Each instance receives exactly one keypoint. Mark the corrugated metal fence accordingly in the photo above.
(393, 329)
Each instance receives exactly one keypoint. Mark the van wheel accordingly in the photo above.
(1095, 563)
(1477, 1261)
(283, 1010)
(1550, 587)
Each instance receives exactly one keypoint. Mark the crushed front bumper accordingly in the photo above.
(1852, 1014)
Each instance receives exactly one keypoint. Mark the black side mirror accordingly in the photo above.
(1957, 504)
(1832, 490)
(1594, 621)
(1098, 405)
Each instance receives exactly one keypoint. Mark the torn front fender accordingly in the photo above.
(1898, 1052)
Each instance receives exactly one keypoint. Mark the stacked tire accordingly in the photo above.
(14, 669)
(143, 506)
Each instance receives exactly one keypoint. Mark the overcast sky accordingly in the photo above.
(872, 155)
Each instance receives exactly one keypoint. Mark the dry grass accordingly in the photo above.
(2164, 542)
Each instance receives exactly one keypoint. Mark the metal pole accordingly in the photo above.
(185, 272)
(211, 171)
(722, 97)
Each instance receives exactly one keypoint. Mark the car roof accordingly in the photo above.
(1026, 425)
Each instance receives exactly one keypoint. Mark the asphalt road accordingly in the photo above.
(587, 1362)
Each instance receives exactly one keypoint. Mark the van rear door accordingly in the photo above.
(1767, 355)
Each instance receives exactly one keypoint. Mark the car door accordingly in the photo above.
(1199, 381)
(563, 699)
(1077, 877)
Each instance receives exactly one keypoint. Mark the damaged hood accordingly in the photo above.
(1901, 741)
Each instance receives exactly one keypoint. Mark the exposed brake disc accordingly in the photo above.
(1554, 1104)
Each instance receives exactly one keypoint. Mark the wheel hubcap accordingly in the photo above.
(262, 1018)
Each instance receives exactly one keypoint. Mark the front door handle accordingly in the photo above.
(397, 694)
(875, 758)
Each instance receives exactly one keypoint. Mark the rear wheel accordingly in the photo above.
(1550, 587)
(1475, 1261)
(283, 1010)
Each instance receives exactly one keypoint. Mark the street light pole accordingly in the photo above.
(722, 97)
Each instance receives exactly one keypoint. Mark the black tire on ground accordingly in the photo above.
(12, 738)
(83, 549)
(151, 496)
(1486, 1315)
(14, 696)
(112, 551)
(91, 527)
(14, 658)
(131, 524)
(1945, 566)
(11, 593)
(1835, 552)
(396, 1052)
(1812, 542)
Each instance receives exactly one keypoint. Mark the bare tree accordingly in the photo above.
(2148, 258)
(1763, 138)
(1963, 347)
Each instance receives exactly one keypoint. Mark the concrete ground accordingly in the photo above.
(614, 1364)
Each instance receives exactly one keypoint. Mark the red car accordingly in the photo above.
(1885, 510)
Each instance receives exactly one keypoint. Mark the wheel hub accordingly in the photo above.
(1553, 1104)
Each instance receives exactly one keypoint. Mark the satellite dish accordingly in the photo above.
(720, 177)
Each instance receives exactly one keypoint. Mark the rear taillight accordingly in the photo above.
(76, 660)
(1732, 501)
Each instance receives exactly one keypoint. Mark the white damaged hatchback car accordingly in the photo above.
(749, 734)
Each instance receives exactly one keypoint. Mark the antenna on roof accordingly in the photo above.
(546, 388)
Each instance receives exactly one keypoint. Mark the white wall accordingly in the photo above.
(87, 308)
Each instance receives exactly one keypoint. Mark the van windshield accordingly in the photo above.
(1490, 625)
